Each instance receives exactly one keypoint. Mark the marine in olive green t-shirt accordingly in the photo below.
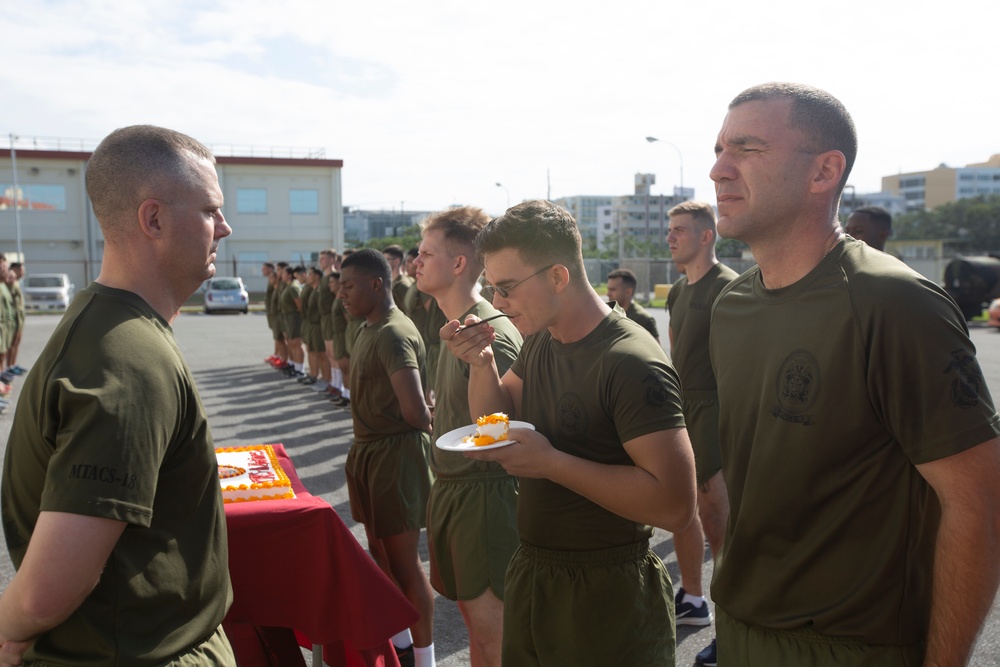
(831, 391)
(381, 349)
(690, 309)
(110, 425)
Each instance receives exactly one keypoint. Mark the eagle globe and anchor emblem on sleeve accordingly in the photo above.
(796, 388)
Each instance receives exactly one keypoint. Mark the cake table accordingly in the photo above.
(296, 567)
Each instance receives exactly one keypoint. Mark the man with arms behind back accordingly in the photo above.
(112, 508)
(859, 440)
(692, 244)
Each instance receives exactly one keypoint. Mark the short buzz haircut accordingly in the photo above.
(876, 214)
(269, 265)
(541, 232)
(370, 262)
(701, 212)
(315, 271)
(412, 252)
(329, 252)
(395, 251)
(627, 277)
(133, 164)
(459, 225)
(820, 116)
(15, 265)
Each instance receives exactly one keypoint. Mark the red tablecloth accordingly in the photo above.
(295, 564)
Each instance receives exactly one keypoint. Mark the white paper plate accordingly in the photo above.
(460, 440)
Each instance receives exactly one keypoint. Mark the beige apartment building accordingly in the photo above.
(930, 189)
(283, 204)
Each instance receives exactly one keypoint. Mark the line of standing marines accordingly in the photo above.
(852, 508)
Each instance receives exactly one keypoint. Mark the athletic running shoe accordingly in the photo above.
(319, 386)
(7, 377)
(688, 614)
(707, 657)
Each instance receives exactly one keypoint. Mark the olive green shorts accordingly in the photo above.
(701, 414)
(314, 338)
(293, 325)
(606, 607)
(744, 645)
(326, 326)
(471, 533)
(388, 483)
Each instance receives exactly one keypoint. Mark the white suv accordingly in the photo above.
(47, 291)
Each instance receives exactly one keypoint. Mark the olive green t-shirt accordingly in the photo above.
(690, 309)
(310, 304)
(18, 297)
(339, 314)
(269, 304)
(289, 293)
(110, 425)
(326, 297)
(638, 314)
(588, 398)
(381, 349)
(279, 287)
(352, 328)
(831, 391)
(400, 286)
(451, 409)
(7, 316)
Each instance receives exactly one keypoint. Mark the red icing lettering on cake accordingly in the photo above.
(259, 469)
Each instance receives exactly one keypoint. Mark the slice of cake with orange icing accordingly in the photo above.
(491, 429)
(251, 473)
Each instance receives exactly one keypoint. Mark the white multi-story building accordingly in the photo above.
(585, 209)
(283, 206)
(930, 189)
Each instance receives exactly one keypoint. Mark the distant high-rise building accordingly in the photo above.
(930, 189)
(585, 209)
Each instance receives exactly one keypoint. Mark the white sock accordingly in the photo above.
(402, 639)
(337, 379)
(696, 600)
(298, 367)
(424, 656)
(347, 394)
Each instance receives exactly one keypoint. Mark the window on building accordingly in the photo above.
(966, 177)
(33, 197)
(251, 200)
(303, 201)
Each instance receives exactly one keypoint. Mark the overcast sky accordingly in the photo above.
(431, 104)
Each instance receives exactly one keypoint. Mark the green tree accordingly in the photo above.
(410, 238)
(975, 220)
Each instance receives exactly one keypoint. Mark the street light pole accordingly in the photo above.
(680, 158)
(17, 198)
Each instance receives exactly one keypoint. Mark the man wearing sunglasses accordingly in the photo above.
(609, 458)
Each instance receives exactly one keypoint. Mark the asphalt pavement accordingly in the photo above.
(248, 402)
